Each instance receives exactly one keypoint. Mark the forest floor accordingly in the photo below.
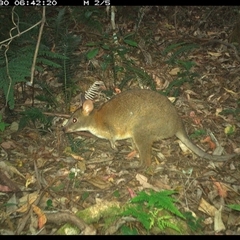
(63, 180)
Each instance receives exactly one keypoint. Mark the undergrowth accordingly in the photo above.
(174, 54)
(3, 125)
(37, 118)
(59, 44)
(155, 209)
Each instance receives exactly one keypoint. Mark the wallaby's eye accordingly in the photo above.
(74, 120)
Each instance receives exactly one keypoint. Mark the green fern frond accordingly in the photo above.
(33, 115)
(58, 21)
(163, 222)
(149, 209)
(178, 50)
(19, 66)
(138, 212)
(161, 199)
(172, 47)
(48, 62)
(134, 72)
(49, 54)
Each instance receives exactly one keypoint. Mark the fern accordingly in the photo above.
(160, 200)
(195, 224)
(33, 115)
(177, 50)
(139, 213)
(3, 125)
(137, 74)
(19, 65)
(127, 231)
(164, 222)
(146, 208)
(59, 20)
(172, 47)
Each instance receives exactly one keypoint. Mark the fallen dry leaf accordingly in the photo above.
(207, 208)
(218, 223)
(8, 145)
(222, 190)
(99, 182)
(27, 200)
(174, 71)
(131, 192)
(237, 150)
(29, 179)
(132, 155)
(208, 140)
(183, 147)
(77, 157)
(5, 189)
(143, 181)
(195, 118)
(6, 166)
(41, 216)
(214, 54)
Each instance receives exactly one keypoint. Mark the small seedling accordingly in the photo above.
(3, 125)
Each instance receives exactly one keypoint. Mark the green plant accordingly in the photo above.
(3, 125)
(198, 133)
(195, 224)
(154, 209)
(34, 115)
(116, 57)
(184, 75)
(174, 53)
(85, 195)
(234, 207)
(49, 205)
(234, 112)
(89, 16)
(127, 231)
(176, 50)
(19, 65)
(77, 145)
(17, 56)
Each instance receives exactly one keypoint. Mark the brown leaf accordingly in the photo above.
(131, 192)
(208, 140)
(222, 190)
(28, 200)
(174, 71)
(41, 216)
(218, 223)
(99, 182)
(143, 181)
(195, 118)
(5, 189)
(207, 208)
(8, 145)
(215, 54)
(7, 184)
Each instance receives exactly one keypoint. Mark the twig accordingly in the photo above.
(59, 218)
(37, 49)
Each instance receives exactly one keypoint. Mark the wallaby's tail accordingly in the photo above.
(184, 138)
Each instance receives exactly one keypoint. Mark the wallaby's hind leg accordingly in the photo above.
(144, 147)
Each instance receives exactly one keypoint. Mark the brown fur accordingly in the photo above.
(144, 116)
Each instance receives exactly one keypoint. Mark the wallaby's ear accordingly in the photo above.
(87, 107)
(82, 99)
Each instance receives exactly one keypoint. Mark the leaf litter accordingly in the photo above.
(55, 189)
